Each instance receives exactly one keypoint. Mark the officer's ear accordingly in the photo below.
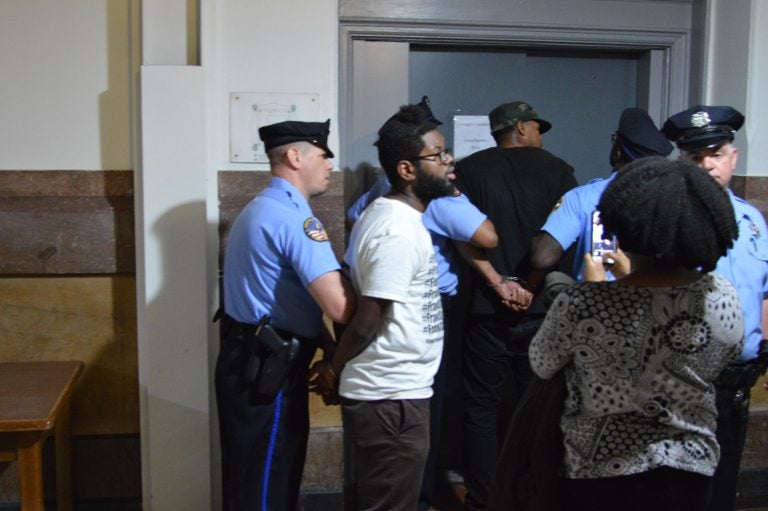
(735, 156)
(293, 157)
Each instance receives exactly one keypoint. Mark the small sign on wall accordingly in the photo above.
(471, 133)
(248, 111)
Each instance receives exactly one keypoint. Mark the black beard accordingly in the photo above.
(429, 187)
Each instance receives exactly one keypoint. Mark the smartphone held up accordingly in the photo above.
(601, 245)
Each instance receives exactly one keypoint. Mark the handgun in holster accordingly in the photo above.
(270, 359)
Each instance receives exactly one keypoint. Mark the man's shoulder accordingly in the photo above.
(539, 157)
(480, 158)
(595, 186)
(495, 157)
(744, 207)
(387, 215)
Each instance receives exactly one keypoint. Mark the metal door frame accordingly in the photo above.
(665, 62)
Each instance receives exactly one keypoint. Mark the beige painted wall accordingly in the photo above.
(66, 85)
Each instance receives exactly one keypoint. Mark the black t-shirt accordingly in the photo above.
(517, 188)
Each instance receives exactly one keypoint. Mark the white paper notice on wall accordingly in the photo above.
(248, 111)
(471, 133)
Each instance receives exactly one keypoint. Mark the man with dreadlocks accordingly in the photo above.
(704, 135)
(640, 354)
(571, 220)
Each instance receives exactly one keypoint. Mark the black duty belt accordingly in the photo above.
(270, 352)
(741, 375)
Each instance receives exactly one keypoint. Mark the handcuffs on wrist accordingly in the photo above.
(508, 278)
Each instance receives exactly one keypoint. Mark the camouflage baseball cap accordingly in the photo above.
(509, 114)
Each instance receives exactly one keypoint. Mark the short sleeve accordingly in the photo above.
(453, 217)
(308, 249)
(565, 223)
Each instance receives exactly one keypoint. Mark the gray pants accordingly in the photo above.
(385, 448)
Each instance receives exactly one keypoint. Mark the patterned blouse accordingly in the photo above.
(639, 365)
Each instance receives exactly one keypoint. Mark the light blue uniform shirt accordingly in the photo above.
(276, 249)
(571, 222)
(380, 188)
(446, 219)
(746, 266)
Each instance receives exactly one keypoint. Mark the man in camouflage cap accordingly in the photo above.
(516, 184)
(704, 134)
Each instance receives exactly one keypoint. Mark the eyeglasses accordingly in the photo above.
(443, 156)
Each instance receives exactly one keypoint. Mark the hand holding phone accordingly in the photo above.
(599, 244)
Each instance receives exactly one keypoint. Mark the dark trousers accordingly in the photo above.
(732, 418)
(427, 491)
(496, 371)
(263, 441)
(386, 444)
(661, 489)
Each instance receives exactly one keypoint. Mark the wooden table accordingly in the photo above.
(34, 401)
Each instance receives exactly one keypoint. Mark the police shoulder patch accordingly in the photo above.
(314, 229)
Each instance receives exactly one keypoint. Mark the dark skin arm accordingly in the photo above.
(485, 236)
(546, 253)
(511, 293)
(324, 375)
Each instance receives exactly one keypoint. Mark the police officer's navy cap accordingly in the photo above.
(287, 132)
(425, 105)
(639, 135)
(703, 127)
(509, 114)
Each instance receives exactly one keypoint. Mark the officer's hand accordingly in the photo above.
(323, 381)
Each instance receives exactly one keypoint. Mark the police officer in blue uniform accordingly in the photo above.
(571, 221)
(704, 135)
(280, 277)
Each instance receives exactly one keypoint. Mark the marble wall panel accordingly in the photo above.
(66, 222)
(236, 189)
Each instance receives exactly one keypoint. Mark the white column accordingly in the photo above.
(171, 288)
(737, 73)
(757, 84)
(172, 285)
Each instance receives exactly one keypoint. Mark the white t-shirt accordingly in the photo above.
(390, 256)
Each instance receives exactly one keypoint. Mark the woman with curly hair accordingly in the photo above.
(640, 354)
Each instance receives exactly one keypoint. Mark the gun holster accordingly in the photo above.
(270, 358)
(280, 354)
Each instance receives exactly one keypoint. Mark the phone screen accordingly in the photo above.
(600, 245)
